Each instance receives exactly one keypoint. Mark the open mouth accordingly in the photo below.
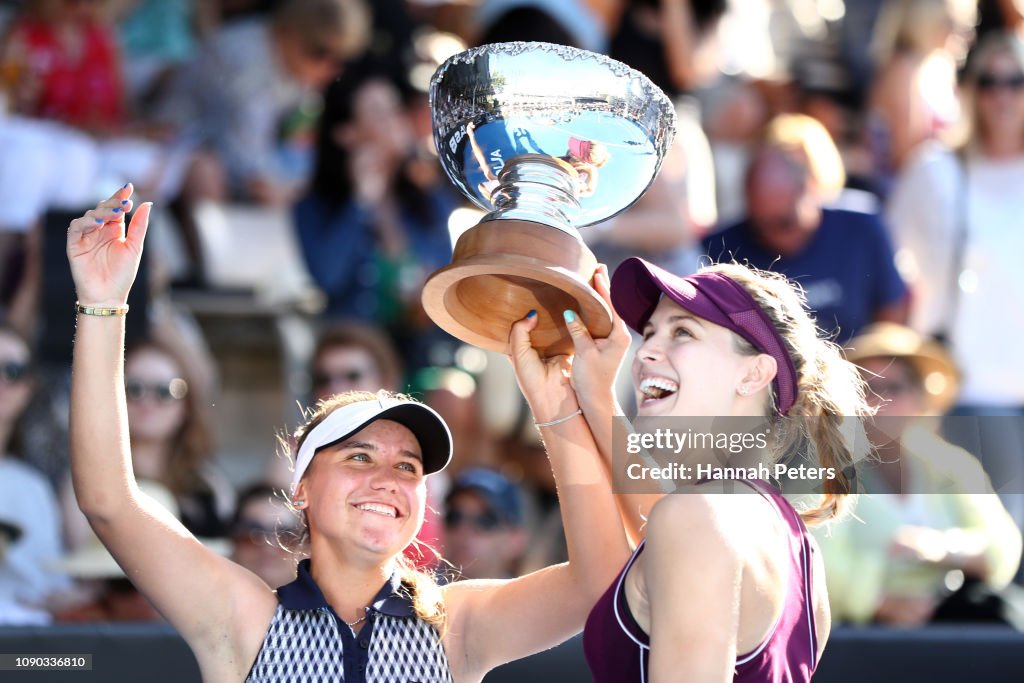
(656, 389)
(379, 509)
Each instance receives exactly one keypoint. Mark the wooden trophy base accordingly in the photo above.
(501, 270)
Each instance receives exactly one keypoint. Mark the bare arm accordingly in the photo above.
(219, 608)
(692, 576)
(595, 368)
(503, 621)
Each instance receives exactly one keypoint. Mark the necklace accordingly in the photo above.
(353, 624)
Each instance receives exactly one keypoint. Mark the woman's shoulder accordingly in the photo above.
(721, 517)
(697, 517)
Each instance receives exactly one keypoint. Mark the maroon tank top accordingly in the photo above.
(617, 649)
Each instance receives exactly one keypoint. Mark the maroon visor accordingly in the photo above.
(637, 286)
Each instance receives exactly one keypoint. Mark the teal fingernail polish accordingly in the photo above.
(531, 314)
(570, 316)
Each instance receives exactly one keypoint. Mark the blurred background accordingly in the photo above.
(872, 150)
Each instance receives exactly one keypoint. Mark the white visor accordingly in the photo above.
(423, 421)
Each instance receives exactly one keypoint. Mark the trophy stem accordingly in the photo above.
(538, 188)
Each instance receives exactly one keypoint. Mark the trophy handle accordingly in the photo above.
(503, 269)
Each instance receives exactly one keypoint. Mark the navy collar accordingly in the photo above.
(393, 599)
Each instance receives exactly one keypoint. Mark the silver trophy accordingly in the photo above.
(548, 139)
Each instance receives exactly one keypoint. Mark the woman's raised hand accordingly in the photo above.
(596, 362)
(544, 381)
(104, 257)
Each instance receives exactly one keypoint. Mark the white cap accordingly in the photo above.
(423, 421)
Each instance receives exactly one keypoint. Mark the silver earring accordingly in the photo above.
(298, 503)
(744, 391)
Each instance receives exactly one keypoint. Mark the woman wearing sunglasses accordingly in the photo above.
(962, 247)
(357, 611)
(26, 496)
(171, 443)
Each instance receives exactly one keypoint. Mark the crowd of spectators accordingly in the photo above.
(871, 150)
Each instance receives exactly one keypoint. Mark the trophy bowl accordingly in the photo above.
(547, 139)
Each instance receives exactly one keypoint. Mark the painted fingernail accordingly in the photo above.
(124, 201)
(117, 210)
(570, 316)
(531, 314)
(99, 220)
(125, 186)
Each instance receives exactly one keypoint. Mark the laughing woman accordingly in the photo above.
(357, 612)
(722, 587)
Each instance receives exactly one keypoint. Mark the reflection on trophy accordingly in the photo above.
(548, 139)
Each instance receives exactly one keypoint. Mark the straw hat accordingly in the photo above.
(934, 365)
(94, 561)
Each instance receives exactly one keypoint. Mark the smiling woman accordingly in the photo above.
(720, 588)
(356, 611)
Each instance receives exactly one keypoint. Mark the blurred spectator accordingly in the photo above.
(245, 105)
(959, 249)
(234, 97)
(105, 593)
(69, 129)
(171, 442)
(671, 41)
(156, 37)
(12, 611)
(929, 519)
(842, 259)
(265, 535)
(354, 356)
(375, 223)
(61, 63)
(484, 533)
(917, 47)
(26, 497)
(563, 22)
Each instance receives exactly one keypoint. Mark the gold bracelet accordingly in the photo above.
(552, 423)
(102, 311)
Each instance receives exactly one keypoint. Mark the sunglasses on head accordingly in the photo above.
(487, 521)
(174, 390)
(989, 82)
(323, 379)
(13, 371)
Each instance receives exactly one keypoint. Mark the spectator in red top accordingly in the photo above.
(62, 63)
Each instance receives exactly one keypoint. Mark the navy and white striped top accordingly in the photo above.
(308, 643)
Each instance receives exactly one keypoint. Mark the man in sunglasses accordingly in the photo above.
(484, 533)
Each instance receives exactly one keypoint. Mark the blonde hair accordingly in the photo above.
(830, 389)
(806, 136)
(911, 26)
(342, 24)
(418, 585)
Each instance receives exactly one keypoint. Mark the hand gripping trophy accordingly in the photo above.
(548, 139)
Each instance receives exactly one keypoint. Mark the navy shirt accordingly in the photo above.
(308, 642)
(847, 269)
